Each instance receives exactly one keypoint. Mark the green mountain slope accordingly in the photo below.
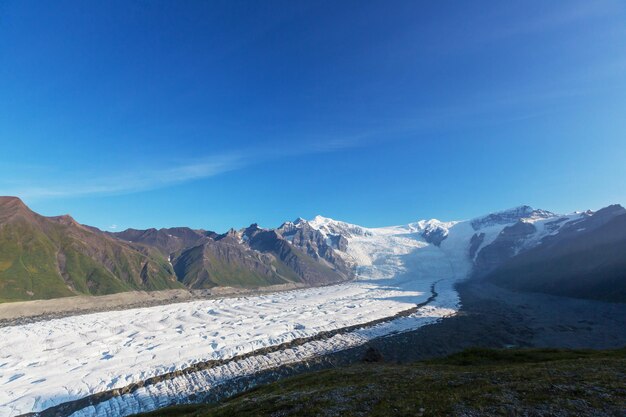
(47, 257)
(253, 257)
(227, 263)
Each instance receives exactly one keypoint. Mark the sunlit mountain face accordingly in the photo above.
(347, 285)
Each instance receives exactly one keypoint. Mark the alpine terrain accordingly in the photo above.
(386, 282)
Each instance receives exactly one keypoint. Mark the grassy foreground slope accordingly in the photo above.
(476, 382)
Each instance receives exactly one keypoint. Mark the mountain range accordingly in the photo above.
(579, 255)
(48, 257)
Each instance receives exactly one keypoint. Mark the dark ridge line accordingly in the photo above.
(69, 407)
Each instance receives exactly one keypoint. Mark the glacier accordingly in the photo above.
(51, 363)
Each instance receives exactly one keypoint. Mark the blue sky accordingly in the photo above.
(220, 114)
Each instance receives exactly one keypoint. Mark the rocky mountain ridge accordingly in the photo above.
(46, 257)
(582, 254)
(49, 257)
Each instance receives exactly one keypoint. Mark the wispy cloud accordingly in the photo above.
(145, 179)
(124, 182)
(555, 15)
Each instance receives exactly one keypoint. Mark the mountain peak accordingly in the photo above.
(7, 202)
(11, 206)
(65, 219)
(251, 230)
(518, 210)
(230, 234)
(614, 209)
(511, 215)
(320, 220)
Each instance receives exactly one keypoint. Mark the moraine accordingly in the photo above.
(57, 363)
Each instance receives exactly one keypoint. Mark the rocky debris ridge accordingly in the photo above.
(533, 382)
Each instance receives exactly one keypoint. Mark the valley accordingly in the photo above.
(312, 208)
(413, 283)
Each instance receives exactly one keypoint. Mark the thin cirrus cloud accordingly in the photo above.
(126, 182)
(419, 121)
(422, 121)
(558, 15)
(152, 178)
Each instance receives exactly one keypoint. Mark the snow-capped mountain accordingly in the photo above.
(479, 247)
(579, 255)
(142, 359)
(510, 216)
(363, 246)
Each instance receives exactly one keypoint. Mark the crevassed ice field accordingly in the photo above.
(52, 362)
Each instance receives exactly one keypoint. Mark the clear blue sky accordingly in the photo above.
(219, 114)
